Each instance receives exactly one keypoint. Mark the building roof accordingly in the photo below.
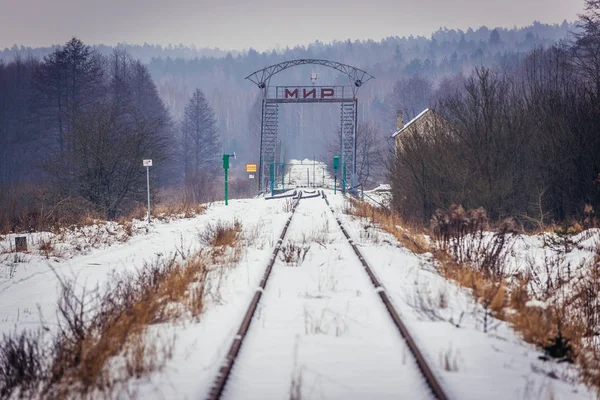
(412, 121)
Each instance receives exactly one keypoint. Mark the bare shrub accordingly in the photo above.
(168, 211)
(426, 305)
(586, 300)
(30, 208)
(21, 364)
(369, 234)
(288, 204)
(293, 254)
(410, 236)
(96, 326)
(325, 323)
(296, 381)
(454, 227)
(46, 247)
(449, 360)
(220, 233)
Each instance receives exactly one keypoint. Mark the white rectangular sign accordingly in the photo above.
(251, 176)
(147, 163)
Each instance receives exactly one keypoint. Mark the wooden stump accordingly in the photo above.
(20, 243)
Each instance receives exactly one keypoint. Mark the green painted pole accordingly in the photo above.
(226, 189)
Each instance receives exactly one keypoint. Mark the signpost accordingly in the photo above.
(336, 164)
(226, 167)
(251, 169)
(148, 164)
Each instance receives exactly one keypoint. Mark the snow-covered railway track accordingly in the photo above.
(233, 352)
(426, 370)
(318, 328)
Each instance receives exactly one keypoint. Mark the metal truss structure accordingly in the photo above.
(309, 94)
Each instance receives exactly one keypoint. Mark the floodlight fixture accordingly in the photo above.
(313, 77)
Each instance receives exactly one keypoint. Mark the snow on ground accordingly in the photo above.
(68, 244)
(568, 257)
(302, 173)
(321, 325)
(33, 284)
(448, 326)
(380, 196)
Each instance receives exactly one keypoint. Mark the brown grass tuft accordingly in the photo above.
(100, 326)
(412, 237)
(159, 292)
(221, 233)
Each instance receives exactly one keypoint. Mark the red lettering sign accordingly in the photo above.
(309, 93)
(327, 92)
(292, 93)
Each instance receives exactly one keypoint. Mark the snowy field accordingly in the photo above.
(320, 329)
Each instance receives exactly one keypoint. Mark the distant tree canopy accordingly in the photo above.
(80, 118)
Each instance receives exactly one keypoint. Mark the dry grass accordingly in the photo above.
(293, 254)
(171, 210)
(98, 326)
(159, 292)
(449, 360)
(221, 233)
(411, 237)
(566, 328)
(46, 247)
(31, 208)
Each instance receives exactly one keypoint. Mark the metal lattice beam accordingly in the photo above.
(262, 77)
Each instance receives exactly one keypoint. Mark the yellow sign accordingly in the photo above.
(251, 168)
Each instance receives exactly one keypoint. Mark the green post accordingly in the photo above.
(226, 168)
(336, 163)
(226, 189)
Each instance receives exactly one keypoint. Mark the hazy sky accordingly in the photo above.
(261, 24)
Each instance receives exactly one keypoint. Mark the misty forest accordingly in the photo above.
(75, 121)
(476, 203)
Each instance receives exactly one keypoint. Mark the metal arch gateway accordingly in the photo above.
(346, 95)
(262, 77)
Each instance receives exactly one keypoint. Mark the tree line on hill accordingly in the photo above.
(77, 120)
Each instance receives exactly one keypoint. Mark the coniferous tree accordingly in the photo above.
(199, 144)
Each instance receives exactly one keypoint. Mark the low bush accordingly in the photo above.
(99, 325)
(221, 233)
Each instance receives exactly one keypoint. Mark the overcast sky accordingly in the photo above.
(261, 24)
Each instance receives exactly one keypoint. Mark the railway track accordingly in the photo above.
(318, 323)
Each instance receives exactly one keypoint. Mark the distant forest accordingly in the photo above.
(193, 104)
(178, 70)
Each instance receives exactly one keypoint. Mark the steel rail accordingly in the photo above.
(426, 371)
(223, 375)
